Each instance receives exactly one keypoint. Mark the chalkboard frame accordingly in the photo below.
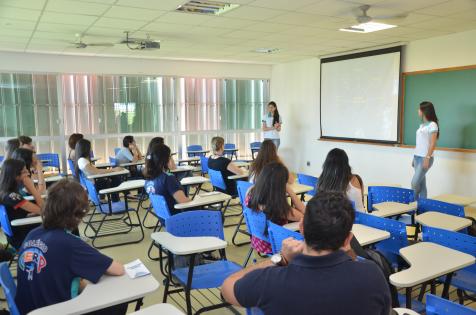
(402, 104)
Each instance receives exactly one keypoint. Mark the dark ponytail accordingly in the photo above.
(428, 111)
(276, 112)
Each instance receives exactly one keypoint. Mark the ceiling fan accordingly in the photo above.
(363, 17)
(81, 45)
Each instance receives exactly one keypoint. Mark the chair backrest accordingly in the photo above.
(160, 207)
(196, 223)
(230, 146)
(254, 311)
(277, 234)
(71, 167)
(1, 158)
(255, 145)
(397, 230)
(458, 241)
(216, 179)
(51, 160)
(436, 305)
(91, 189)
(113, 161)
(425, 205)
(5, 222)
(9, 288)
(378, 194)
(204, 164)
(309, 181)
(116, 150)
(256, 223)
(195, 147)
(242, 188)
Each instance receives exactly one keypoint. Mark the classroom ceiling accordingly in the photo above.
(298, 28)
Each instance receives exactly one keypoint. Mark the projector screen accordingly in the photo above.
(360, 96)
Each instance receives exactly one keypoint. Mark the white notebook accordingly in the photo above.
(136, 269)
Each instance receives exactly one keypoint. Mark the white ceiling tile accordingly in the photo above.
(68, 6)
(120, 24)
(61, 28)
(133, 13)
(330, 8)
(105, 31)
(13, 24)
(282, 4)
(165, 5)
(407, 5)
(99, 1)
(468, 15)
(246, 34)
(24, 4)
(62, 18)
(184, 18)
(230, 23)
(66, 37)
(14, 39)
(253, 13)
(19, 13)
(11, 46)
(15, 33)
(267, 27)
(450, 7)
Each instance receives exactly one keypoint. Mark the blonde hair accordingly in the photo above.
(217, 143)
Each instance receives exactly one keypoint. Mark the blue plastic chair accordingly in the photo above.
(71, 167)
(439, 306)
(204, 164)
(194, 147)
(309, 181)
(50, 160)
(113, 161)
(9, 288)
(198, 223)
(254, 146)
(425, 205)
(277, 234)
(254, 311)
(161, 211)
(1, 158)
(241, 187)
(390, 248)
(116, 150)
(230, 146)
(114, 217)
(378, 194)
(463, 280)
(5, 222)
(216, 178)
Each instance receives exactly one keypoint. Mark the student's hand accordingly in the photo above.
(291, 248)
(426, 163)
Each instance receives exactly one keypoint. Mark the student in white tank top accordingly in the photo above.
(337, 176)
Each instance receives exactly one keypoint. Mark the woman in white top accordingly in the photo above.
(272, 124)
(426, 137)
(337, 176)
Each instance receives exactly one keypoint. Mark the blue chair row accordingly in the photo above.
(194, 147)
(254, 147)
(230, 154)
(50, 160)
(309, 181)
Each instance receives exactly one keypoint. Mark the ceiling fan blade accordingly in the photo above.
(100, 44)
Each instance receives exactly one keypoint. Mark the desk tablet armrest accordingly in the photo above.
(187, 245)
(26, 221)
(125, 186)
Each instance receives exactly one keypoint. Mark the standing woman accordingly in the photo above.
(272, 124)
(426, 137)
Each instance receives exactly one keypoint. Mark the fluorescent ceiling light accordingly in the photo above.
(367, 27)
(266, 50)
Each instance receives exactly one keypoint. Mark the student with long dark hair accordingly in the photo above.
(159, 140)
(73, 139)
(10, 147)
(426, 137)
(12, 175)
(267, 153)
(159, 180)
(84, 166)
(28, 186)
(269, 194)
(272, 122)
(53, 263)
(337, 176)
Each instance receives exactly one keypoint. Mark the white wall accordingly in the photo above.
(32, 62)
(295, 88)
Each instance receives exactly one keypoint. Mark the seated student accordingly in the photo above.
(159, 180)
(266, 154)
(27, 143)
(315, 276)
(84, 166)
(53, 264)
(12, 174)
(269, 195)
(129, 152)
(35, 171)
(223, 164)
(337, 176)
(10, 147)
(73, 139)
(160, 140)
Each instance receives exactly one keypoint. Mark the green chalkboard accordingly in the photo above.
(453, 92)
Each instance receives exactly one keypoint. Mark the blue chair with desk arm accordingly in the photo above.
(309, 181)
(9, 288)
(197, 223)
(160, 209)
(242, 187)
(50, 160)
(439, 306)
(254, 146)
(230, 146)
(463, 280)
(194, 147)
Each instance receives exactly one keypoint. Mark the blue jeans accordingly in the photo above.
(419, 178)
(276, 142)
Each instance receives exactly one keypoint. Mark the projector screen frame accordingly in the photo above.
(369, 53)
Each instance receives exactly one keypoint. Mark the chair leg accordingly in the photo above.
(460, 294)
(248, 256)
(238, 230)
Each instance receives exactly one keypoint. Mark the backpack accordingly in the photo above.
(386, 268)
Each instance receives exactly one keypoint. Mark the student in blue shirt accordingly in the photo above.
(53, 264)
(159, 180)
(129, 152)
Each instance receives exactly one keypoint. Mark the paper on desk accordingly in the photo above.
(211, 193)
(136, 269)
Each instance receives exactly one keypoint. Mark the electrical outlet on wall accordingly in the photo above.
(308, 163)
